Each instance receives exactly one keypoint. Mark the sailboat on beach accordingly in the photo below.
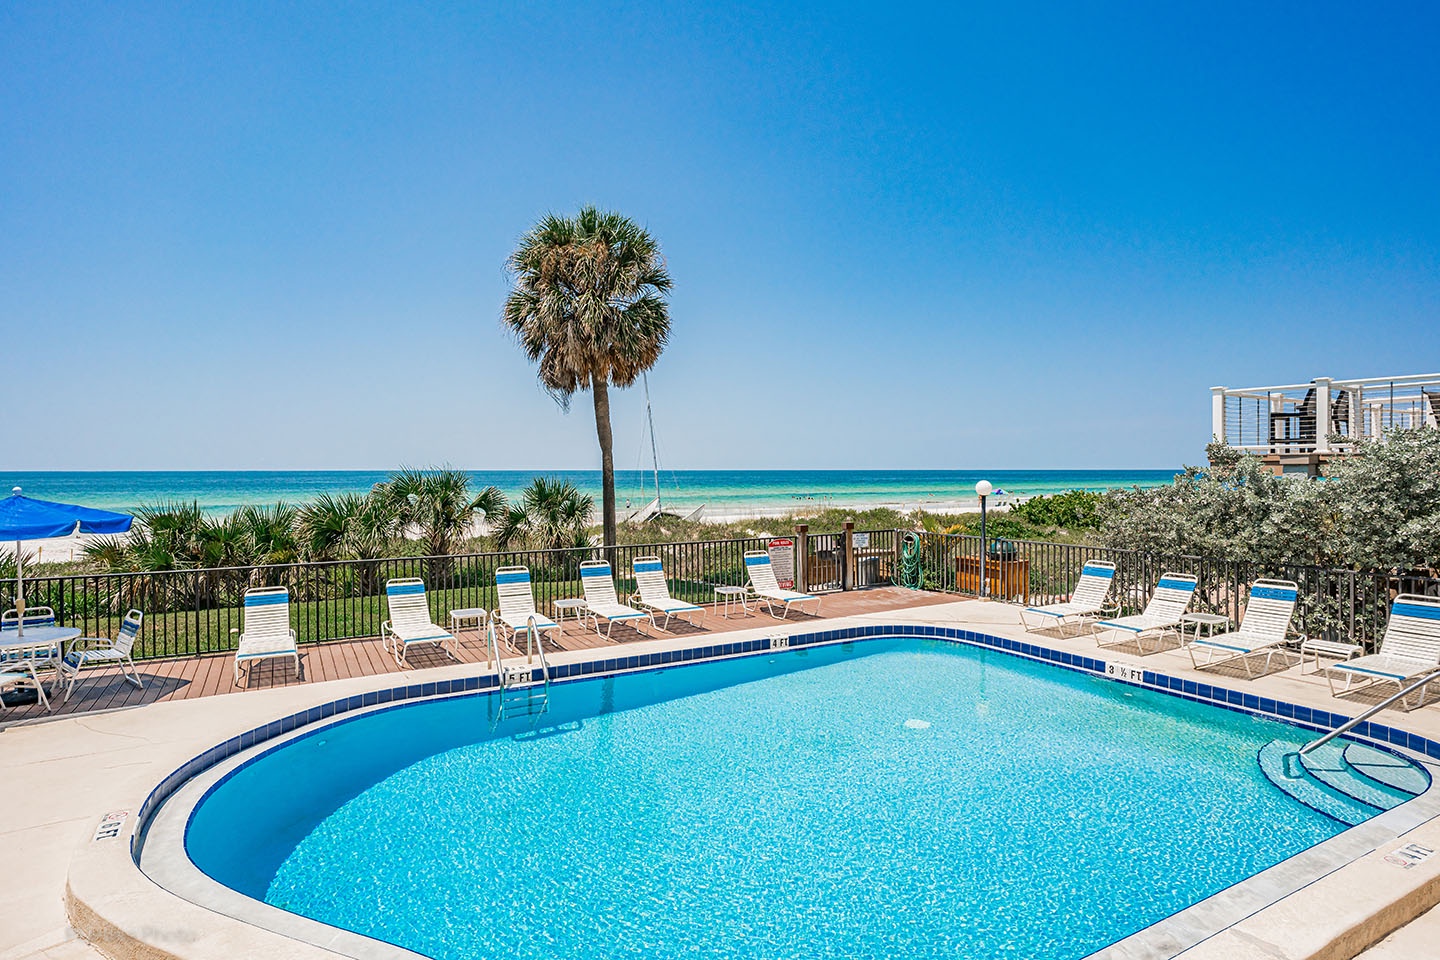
(655, 509)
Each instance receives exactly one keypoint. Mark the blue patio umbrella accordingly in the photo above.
(22, 518)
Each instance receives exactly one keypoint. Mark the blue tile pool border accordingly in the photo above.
(1234, 700)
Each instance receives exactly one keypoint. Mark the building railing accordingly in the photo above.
(191, 612)
(1323, 416)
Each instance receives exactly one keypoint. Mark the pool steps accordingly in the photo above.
(1330, 766)
(1387, 769)
(1347, 781)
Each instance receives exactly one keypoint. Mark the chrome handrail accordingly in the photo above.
(532, 636)
(1352, 724)
(493, 642)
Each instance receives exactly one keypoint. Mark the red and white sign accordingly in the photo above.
(782, 558)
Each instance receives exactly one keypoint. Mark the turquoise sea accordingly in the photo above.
(722, 491)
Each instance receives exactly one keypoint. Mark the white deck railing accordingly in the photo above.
(1325, 415)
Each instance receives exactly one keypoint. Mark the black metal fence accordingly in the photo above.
(190, 612)
(1334, 603)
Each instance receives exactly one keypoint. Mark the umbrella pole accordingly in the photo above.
(19, 591)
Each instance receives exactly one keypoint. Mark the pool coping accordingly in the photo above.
(99, 881)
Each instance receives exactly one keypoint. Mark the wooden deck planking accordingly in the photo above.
(208, 675)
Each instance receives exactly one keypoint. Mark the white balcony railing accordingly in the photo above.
(1325, 415)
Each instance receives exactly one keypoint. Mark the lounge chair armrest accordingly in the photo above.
(84, 643)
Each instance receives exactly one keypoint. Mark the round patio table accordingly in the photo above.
(35, 640)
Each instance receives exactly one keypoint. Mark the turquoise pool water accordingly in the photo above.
(887, 798)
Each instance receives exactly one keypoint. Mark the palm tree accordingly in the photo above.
(588, 305)
(550, 515)
(268, 533)
(350, 526)
(438, 505)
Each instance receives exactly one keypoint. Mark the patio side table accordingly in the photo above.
(577, 606)
(729, 596)
(1210, 621)
(1336, 650)
(467, 615)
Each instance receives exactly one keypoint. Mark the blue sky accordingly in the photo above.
(963, 236)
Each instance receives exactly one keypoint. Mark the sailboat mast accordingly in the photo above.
(654, 455)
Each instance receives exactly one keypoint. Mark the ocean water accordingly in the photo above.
(721, 491)
(972, 805)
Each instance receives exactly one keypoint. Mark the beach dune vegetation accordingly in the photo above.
(437, 506)
(1071, 510)
(550, 514)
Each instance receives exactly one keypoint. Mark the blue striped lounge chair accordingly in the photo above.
(1086, 600)
(1162, 614)
(653, 593)
(410, 621)
(517, 603)
(1408, 651)
(765, 587)
(601, 601)
(265, 630)
(1264, 629)
(84, 651)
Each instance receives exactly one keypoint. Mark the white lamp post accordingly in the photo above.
(983, 490)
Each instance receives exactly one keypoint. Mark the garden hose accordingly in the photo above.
(912, 570)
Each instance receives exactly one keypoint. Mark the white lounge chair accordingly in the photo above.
(765, 587)
(601, 601)
(410, 622)
(1086, 600)
(1263, 629)
(1162, 614)
(1408, 651)
(653, 593)
(517, 603)
(84, 651)
(265, 630)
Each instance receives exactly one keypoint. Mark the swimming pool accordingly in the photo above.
(894, 797)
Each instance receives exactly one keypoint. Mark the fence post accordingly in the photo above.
(1322, 415)
(847, 571)
(1218, 433)
(898, 536)
(802, 557)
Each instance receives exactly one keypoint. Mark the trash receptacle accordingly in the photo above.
(867, 571)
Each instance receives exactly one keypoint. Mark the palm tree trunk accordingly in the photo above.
(600, 390)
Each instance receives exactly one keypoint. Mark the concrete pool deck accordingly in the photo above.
(72, 771)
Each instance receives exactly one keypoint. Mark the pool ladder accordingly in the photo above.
(521, 694)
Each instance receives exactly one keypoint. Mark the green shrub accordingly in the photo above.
(1073, 510)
